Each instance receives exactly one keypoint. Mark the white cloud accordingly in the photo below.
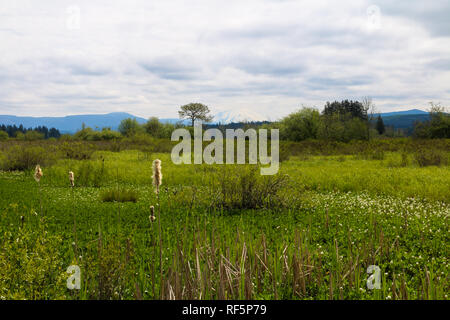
(269, 57)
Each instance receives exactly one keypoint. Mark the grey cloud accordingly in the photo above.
(433, 15)
(319, 83)
(439, 64)
(85, 70)
(268, 66)
(170, 68)
(287, 88)
(68, 97)
(295, 52)
(255, 32)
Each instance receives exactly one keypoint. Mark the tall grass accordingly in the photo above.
(228, 233)
(119, 195)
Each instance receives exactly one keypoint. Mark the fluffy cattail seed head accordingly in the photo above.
(71, 179)
(152, 214)
(157, 175)
(38, 173)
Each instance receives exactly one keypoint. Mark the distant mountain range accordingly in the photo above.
(404, 119)
(71, 124)
(402, 113)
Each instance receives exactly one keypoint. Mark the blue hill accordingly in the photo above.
(403, 113)
(71, 124)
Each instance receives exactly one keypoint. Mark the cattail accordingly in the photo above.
(38, 173)
(152, 214)
(71, 179)
(157, 178)
(157, 175)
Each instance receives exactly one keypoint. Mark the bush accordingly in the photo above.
(77, 150)
(32, 135)
(129, 127)
(91, 174)
(377, 155)
(108, 269)
(285, 153)
(430, 157)
(404, 161)
(88, 134)
(242, 187)
(301, 125)
(108, 134)
(3, 136)
(31, 266)
(26, 157)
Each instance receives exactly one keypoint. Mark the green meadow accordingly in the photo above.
(225, 231)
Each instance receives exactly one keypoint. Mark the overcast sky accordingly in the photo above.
(268, 57)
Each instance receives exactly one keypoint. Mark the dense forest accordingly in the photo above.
(40, 132)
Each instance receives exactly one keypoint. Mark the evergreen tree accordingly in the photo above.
(380, 125)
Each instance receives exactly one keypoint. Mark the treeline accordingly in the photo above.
(21, 133)
(352, 120)
(437, 127)
(342, 121)
(339, 121)
(128, 128)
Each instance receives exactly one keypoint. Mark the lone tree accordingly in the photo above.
(380, 125)
(369, 110)
(129, 127)
(194, 111)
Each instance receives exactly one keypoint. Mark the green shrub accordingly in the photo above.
(31, 266)
(108, 134)
(77, 150)
(3, 136)
(377, 155)
(243, 187)
(33, 135)
(285, 153)
(404, 161)
(109, 269)
(91, 174)
(24, 158)
(430, 157)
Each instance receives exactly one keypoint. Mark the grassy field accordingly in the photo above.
(225, 232)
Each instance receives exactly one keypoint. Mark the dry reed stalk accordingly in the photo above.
(393, 288)
(72, 185)
(137, 292)
(427, 279)
(222, 279)
(295, 274)
(157, 180)
(198, 269)
(37, 176)
(403, 289)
